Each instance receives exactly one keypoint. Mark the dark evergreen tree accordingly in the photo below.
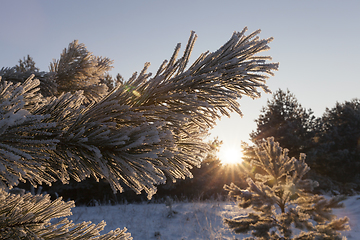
(281, 199)
(287, 121)
(145, 131)
(26, 65)
(338, 143)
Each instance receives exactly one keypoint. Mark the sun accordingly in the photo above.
(230, 155)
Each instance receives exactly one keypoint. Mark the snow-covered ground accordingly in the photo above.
(195, 220)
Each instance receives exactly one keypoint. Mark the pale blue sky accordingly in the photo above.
(316, 42)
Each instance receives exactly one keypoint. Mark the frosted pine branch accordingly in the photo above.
(78, 69)
(25, 140)
(29, 216)
(144, 131)
(146, 128)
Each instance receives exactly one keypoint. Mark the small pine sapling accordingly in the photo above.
(281, 200)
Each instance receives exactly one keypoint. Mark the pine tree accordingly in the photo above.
(337, 154)
(288, 122)
(26, 65)
(280, 199)
(145, 131)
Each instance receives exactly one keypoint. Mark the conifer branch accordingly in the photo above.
(148, 129)
(144, 131)
(29, 216)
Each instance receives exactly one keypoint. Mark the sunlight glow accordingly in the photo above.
(230, 155)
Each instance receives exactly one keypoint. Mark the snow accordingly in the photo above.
(351, 210)
(191, 220)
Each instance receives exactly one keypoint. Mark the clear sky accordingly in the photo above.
(315, 42)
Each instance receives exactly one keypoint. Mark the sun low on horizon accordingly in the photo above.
(230, 154)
